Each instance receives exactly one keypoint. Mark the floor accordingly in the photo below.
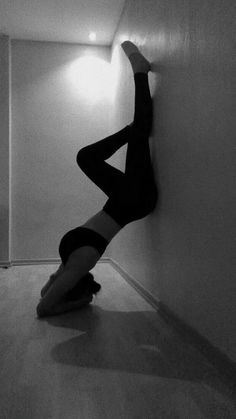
(115, 359)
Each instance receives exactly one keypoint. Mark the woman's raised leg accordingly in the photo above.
(138, 159)
(91, 159)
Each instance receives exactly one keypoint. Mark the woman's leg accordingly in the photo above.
(138, 160)
(91, 159)
(138, 167)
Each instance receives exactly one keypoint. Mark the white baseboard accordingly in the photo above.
(5, 264)
(21, 262)
(153, 301)
(105, 260)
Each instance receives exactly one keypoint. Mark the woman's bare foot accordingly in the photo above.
(137, 60)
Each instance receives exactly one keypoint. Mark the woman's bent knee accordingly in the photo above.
(82, 157)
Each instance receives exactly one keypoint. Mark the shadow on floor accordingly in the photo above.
(133, 342)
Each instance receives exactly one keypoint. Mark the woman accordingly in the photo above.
(131, 196)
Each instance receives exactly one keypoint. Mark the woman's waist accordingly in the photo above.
(103, 224)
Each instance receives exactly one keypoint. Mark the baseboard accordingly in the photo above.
(104, 260)
(5, 264)
(220, 361)
(22, 262)
(136, 285)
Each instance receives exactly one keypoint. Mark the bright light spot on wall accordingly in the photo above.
(91, 78)
(123, 38)
(92, 36)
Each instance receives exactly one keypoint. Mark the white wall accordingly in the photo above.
(4, 147)
(184, 253)
(61, 101)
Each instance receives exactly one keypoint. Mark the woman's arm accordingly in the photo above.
(51, 280)
(54, 296)
(80, 262)
(65, 306)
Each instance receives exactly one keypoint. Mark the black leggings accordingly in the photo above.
(133, 194)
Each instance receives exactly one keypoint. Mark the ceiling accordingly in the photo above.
(61, 20)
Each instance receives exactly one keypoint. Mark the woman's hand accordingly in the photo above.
(65, 306)
(57, 291)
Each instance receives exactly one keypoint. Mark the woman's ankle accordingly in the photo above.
(138, 62)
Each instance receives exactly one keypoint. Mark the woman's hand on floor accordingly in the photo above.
(64, 306)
